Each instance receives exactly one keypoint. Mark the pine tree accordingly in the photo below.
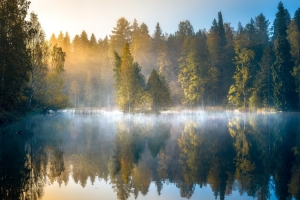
(60, 39)
(14, 56)
(193, 75)
(185, 28)
(263, 84)
(262, 27)
(281, 22)
(141, 47)
(164, 62)
(39, 57)
(297, 18)
(159, 92)
(129, 82)
(239, 92)
(221, 30)
(52, 96)
(121, 34)
(53, 40)
(76, 44)
(93, 41)
(157, 36)
(294, 39)
(285, 97)
(84, 42)
(214, 26)
(67, 44)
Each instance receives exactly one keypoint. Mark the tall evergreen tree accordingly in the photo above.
(121, 34)
(67, 44)
(239, 92)
(129, 81)
(164, 62)
(60, 39)
(284, 21)
(262, 27)
(185, 28)
(53, 40)
(157, 36)
(14, 56)
(263, 83)
(93, 41)
(159, 92)
(76, 44)
(51, 96)
(214, 26)
(285, 96)
(193, 72)
(141, 47)
(221, 30)
(39, 56)
(294, 39)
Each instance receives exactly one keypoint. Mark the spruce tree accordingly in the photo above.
(297, 18)
(51, 95)
(129, 82)
(193, 72)
(157, 34)
(39, 55)
(159, 92)
(263, 84)
(285, 96)
(14, 55)
(121, 34)
(66, 43)
(221, 30)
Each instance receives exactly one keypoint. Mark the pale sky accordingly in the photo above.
(100, 16)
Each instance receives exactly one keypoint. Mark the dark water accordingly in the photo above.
(186, 156)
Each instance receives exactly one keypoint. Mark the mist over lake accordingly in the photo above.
(222, 155)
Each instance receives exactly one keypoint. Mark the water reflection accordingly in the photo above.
(251, 154)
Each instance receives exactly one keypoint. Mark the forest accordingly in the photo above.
(253, 67)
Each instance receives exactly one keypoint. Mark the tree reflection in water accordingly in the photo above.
(253, 154)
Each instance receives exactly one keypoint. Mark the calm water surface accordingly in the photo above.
(168, 156)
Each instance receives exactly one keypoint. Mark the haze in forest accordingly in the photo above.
(99, 17)
(254, 66)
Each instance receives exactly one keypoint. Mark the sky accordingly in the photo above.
(100, 16)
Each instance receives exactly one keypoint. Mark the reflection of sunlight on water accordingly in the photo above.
(103, 190)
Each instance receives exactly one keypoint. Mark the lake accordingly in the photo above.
(191, 155)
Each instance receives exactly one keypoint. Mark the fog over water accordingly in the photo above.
(189, 155)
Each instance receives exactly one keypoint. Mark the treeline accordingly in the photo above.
(31, 69)
(255, 66)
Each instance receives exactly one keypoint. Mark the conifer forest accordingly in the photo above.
(143, 113)
(254, 66)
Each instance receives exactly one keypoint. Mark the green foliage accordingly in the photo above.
(192, 75)
(239, 92)
(159, 92)
(129, 81)
(263, 82)
(197, 66)
(285, 96)
(14, 56)
(39, 55)
(50, 95)
(120, 35)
